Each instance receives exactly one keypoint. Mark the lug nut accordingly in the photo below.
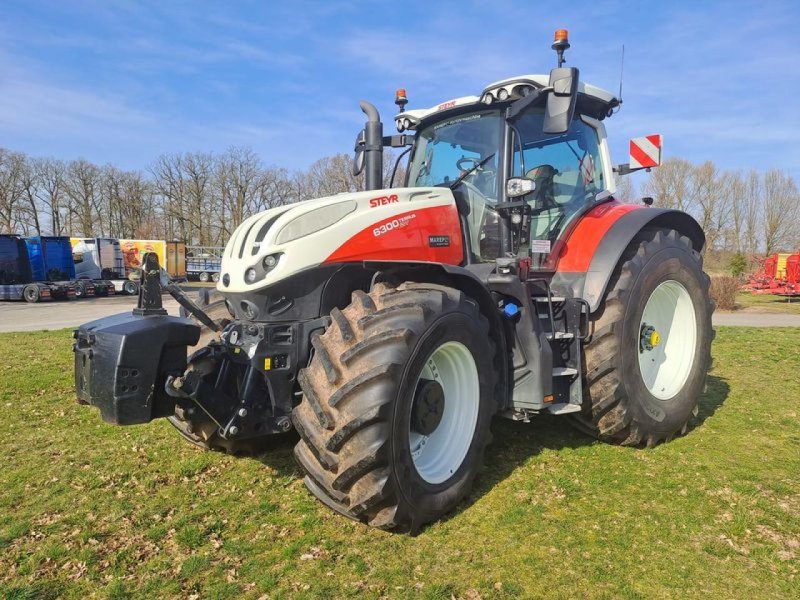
(284, 424)
(233, 430)
(242, 412)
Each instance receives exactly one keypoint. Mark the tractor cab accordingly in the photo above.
(528, 156)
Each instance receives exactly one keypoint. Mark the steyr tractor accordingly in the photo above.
(388, 327)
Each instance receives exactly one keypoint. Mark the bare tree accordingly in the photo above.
(83, 188)
(51, 192)
(12, 165)
(626, 189)
(670, 184)
(780, 203)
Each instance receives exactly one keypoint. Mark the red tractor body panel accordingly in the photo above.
(581, 245)
(426, 234)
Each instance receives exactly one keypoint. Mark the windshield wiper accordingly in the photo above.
(469, 172)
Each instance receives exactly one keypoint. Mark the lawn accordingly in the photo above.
(91, 510)
(767, 303)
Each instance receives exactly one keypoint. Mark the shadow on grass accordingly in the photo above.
(717, 390)
(513, 443)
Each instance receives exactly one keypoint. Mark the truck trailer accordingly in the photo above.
(101, 260)
(16, 277)
(171, 255)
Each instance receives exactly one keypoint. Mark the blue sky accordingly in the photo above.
(123, 82)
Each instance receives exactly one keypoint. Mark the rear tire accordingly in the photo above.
(203, 277)
(31, 294)
(635, 392)
(130, 287)
(80, 290)
(369, 446)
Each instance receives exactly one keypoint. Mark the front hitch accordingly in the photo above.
(122, 362)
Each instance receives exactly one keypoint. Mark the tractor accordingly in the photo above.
(388, 327)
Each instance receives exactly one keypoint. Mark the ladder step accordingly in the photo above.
(564, 371)
(563, 408)
(560, 335)
(545, 299)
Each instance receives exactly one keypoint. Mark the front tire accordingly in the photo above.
(397, 403)
(651, 348)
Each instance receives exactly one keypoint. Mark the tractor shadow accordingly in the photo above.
(515, 442)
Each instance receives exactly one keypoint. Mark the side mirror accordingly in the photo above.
(561, 101)
(519, 186)
(645, 152)
(358, 157)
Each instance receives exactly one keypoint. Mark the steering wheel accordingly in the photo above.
(465, 163)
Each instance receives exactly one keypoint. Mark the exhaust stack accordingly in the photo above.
(372, 147)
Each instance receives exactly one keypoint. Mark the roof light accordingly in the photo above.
(487, 98)
(502, 94)
(562, 35)
(401, 99)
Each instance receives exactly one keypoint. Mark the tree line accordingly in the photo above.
(197, 197)
(744, 213)
(202, 197)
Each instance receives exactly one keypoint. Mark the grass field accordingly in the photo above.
(90, 510)
(768, 303)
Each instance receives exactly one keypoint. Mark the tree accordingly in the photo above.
(12, 165)
(83, 181)
(670, 184)
(780, 210)
(51, 192)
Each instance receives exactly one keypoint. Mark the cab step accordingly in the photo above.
(564, 371)
(563, 408)
(560, 335)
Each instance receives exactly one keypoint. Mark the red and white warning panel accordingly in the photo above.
(645, 152)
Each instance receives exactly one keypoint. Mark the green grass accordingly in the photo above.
(767, 303)
(91, 510)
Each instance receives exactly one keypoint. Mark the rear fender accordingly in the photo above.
(597, 242)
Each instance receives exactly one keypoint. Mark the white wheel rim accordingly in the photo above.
(439, 455)
(667, 365)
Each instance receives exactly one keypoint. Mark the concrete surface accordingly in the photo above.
(753, 319)
(21, 316)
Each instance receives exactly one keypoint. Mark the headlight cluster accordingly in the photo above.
(405, 123)
(507, 92)
(260, 270)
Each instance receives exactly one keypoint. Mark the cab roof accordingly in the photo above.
(592, 100)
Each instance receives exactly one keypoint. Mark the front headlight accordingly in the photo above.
(314, 221)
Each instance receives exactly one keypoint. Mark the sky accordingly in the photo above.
(124, 82)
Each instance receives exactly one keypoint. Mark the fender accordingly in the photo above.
(595, 245)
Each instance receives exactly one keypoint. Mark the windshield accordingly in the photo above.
(448, 149)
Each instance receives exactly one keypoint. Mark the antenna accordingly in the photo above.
(621, 70)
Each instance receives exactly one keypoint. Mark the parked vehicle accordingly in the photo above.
(16, 276)
(51, 262)
(100, 260)
(171, 255)
(389, 326)
(203, 263)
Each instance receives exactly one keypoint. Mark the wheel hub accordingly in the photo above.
(428, 408)
(649, 338)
